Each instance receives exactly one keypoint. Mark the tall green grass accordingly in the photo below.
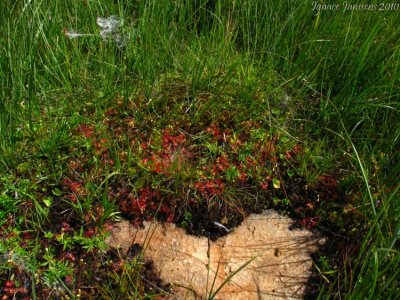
(341, 70)
(350, 61)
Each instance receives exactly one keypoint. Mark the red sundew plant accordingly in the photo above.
(74, 186)
(169, 157)
(221, 164)
(160, 165)
(264, 185)
(75, 189)
(235, 160)
(68, 256)
(107, 226)
(89, 232)
(214, 131)
(204, 161)
(99, 144)
(170, 140)
(297, 149)
(72, 198)
(110, 112)
(69, 279)
(137, 222)
(166, 210)
(66, 227)
(10, 289)
(136, 205)
(310, 223)
(289, 154)
(86, 130)
(144, 146)
(210, 187)
(145, 205)
(328, 180)
(170, 217)
(75, 165)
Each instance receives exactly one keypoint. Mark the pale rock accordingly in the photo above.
(280, 266)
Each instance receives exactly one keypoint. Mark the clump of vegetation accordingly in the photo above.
(194, 113)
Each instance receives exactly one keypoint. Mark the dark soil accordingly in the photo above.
(305, 204)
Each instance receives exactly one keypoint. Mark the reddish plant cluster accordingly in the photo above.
(249, 156)
(69, 256)
(289, 154)
(210, 187)
(328, 180)
(309, 223)
(10, 290)
(246, 156)
(100, 144)
(266, 183)
(66, 227)
(74, 186)
(220, 165)
(171, 141)
(143, 205)
(168, 159)
(74, 189)
(86, 130)
(68, 231)
(215, 131)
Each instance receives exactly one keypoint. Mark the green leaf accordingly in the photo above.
(57, 192)
(188, 216)
(213, 148)
(232, 173)
(48, 235)
(276, 183)
(23, 167)
(48, 201)
(291, 172)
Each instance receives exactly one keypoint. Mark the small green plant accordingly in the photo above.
(7, 206)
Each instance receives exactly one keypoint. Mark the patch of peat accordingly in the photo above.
(207, 221)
